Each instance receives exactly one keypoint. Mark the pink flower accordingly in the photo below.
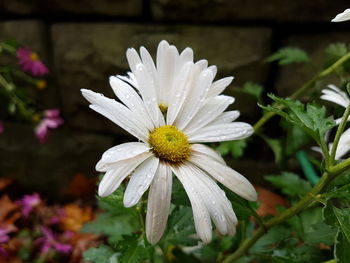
(2, 127)
(49, 241)
(28, 203)
(30, 62)
(4, 237)
(51, 120)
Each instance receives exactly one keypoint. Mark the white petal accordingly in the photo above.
(130, 79)
(112, 179)
(225, 175)
(225, 117)
(342, 16)
(119, 153)
(195, 99)
(218, 205)
(214, 70)
(222, 132)
(343, 145)
(200, 213)
(132, 100)
(166, 74)
(185, 57)
(148, 62)
(203, 64)
(208, 112)
(219, 86)
(335, 95)
(117, 113)
(140, 181)
(201, 148)
(133, 58)
(158, 204)
(149, 96)
(180, 90)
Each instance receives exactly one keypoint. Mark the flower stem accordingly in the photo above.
(340, 130)
(304, 88)
(27, 113)
(295, 209)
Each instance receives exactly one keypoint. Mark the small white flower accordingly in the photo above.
(342, 16)
(335, 95)
(170, 106)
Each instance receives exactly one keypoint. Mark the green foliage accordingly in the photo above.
(181, 227)
(179, 196)
(295, 138)
(253, 89)
(101, 254)
(311, 118)
(276, 147)
(288, 55)
(234, 148)
(290, 184)
(334, 52)
(116, 221)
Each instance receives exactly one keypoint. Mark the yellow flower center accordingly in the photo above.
(41, 84)
(34, 56)
(170, 144)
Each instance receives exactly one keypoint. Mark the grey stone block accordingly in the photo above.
(49, 167)
(103, 7)
(292, 77)
(87, 54)
(233, 10)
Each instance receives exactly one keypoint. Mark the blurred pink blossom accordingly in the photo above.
(28, 202)
(30, 62)
(2, 127)
(49, 241)
(51, 120)
(4, 237)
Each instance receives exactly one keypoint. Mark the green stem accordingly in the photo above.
(26, 112)
(295, 209)
(8, 48)
(339, 133)
(304, 88)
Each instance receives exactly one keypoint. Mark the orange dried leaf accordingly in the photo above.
(74, 217)
(269, 201)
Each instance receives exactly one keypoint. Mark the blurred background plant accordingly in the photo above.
(22, 70)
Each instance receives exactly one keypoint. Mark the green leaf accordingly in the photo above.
(234, 148)
(289, 55)
(101, 254)
(296, 137)
(276, 147)
(181, 227)
(311, 118)
(179, 196)
(342, 192)
(270, 240)
(133, 249)
(343, 218)
(253, 89)
(334, 52)
(320, 233)
(116, 220)
(290, 184)
(341, 248)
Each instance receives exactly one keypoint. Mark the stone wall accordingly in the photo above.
(84, 42)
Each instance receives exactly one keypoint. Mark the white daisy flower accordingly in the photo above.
(335, 95)
(342, 16)
(170, 106)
